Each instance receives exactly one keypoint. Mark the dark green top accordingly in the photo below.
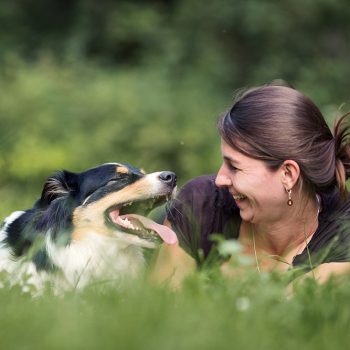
(201, 209)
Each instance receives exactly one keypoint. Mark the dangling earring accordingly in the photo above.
(289, 202)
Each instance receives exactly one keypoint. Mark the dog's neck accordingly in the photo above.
(86, 260)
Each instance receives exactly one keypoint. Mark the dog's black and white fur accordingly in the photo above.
(82, 229)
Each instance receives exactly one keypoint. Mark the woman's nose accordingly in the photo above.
(222, 180)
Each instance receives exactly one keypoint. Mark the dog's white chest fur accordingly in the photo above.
(97, 258)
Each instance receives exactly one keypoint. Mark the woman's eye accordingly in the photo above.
(232, 167)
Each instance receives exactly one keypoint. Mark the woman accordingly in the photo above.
(281, 188)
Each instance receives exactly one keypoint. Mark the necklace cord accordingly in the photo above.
(305, 240)
(256, 256)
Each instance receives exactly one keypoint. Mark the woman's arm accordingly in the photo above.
(323, 272)
(171, 264)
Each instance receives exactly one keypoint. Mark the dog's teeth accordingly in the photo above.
(125, 223)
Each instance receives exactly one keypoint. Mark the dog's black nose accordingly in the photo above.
(168, 177)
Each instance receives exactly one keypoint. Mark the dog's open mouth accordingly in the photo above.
(129, 217)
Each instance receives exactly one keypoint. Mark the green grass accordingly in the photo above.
(252, 312)
(74, 117)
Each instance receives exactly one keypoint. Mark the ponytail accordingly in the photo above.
(341, 135)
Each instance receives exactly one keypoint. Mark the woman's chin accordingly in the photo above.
(246, 215)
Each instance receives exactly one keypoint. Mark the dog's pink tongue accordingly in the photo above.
(164, 232)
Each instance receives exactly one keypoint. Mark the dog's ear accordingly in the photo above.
(59, 185)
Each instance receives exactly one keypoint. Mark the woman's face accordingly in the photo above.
(257, 190)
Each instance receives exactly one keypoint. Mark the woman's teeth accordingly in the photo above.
(239, 197)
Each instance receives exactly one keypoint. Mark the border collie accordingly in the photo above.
(86, 227)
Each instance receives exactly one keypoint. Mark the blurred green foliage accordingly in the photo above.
(90, 81)
(250, 312)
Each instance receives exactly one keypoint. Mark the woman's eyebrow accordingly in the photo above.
(230, 159)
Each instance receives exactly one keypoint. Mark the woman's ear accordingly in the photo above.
(290, 173)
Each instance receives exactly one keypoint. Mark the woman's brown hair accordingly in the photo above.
(274, 123)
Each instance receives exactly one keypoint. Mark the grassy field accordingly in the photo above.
(76, 117)
(252, 312)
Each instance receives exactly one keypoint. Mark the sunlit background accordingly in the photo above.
(85, 82)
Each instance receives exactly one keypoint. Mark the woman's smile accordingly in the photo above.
(239, 197)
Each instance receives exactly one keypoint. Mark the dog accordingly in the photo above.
(86, 227)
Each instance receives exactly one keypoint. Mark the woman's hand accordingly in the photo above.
(326, 271)
(171, 264)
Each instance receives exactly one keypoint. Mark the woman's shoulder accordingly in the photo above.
(203, 188)
(335, 211)
(200, 209)
(331, 241)
(204, 184)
